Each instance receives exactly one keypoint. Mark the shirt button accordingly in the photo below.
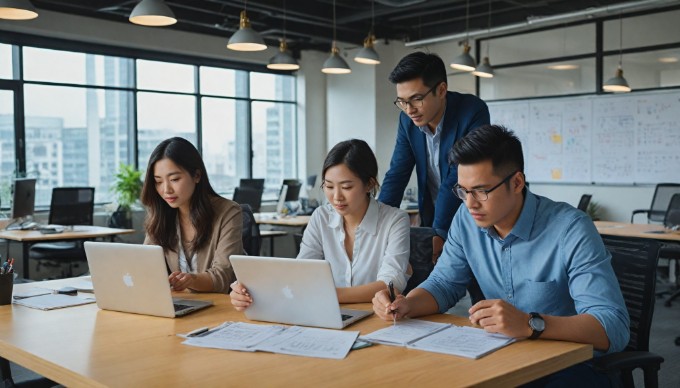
(509, 296)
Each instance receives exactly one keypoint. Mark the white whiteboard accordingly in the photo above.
(621, 139)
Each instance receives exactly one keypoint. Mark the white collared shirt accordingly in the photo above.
(433, 141)
(183, 263)
(381, 245)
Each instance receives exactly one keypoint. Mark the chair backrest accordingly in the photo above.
(294, 186)
(297, 237)
(634, 261)
(249, 196)
(253, 183)
(252, 241)
(72, 206)
(672, 218)
(661, 199)
(584, 202)
(420, 257)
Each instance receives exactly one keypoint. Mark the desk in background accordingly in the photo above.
(624, 229)
(278, 224)
(87, 347)
(80, 232)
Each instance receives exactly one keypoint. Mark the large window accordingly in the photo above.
(85, 113)
(563, 60)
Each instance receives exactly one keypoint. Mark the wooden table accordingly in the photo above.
(79, 232)
(624, 229)
(87, 347)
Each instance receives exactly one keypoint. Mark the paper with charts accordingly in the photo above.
(294, 340)
(444, 338)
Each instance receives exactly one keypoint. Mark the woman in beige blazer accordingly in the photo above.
(197, 228)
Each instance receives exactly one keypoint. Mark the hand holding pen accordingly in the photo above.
(392, 298)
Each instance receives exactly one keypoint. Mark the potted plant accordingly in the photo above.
(127, 188)
(594, 211)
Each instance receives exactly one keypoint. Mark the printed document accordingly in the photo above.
(404, 332)
(444, 338)
(462, 341)
(295, 340)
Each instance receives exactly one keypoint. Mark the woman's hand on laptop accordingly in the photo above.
(180, 281)
(240, 297)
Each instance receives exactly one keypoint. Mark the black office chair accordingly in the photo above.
(249, 196)
(69, 206)
(584, 202)
(634, 261)
(669, 250)
(420, 259)
(660, 200)
(250, 235)
(297, 237)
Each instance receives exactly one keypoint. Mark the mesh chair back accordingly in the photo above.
(297, 237)
(634, 261)
(420, 257)
(662, 197)
(584, 202)
(252, 241)
(672, 218)
(72, 206)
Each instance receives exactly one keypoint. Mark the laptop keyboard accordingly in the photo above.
(180, 307)
(346, 317)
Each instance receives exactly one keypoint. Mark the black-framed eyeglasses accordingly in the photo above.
(415, 102)
(479, 194)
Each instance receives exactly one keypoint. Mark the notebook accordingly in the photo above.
(291, 291)
(134, 279)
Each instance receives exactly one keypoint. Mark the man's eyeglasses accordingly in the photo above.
(415, 102)
(479, 194)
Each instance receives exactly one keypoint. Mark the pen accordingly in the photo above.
(390, 286)
(198, 331)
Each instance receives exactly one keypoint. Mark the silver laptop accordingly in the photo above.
(296, 292)
(134, 279)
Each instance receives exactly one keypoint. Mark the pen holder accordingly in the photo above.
(6, 286)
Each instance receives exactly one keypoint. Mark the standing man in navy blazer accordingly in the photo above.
(431, 121)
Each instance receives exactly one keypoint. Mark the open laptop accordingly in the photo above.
(134, 279)
(296, 292)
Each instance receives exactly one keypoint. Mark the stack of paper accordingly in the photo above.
(295, 340)
(53, 301)
(440, 338)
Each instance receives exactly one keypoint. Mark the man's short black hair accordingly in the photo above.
(490, 142)
(429, 67)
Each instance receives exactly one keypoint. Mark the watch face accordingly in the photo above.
(537, 323)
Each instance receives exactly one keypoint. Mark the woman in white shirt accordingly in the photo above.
(366, 242)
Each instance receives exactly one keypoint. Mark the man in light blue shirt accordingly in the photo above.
(541, 264)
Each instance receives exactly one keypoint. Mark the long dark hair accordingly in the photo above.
(358, 157)
(161, 219)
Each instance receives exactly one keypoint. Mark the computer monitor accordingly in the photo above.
(294, 186)
(23, 198)
(255, 183)
(72, 206)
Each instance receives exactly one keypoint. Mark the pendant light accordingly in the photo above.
(17, 10)
(335, 64)
(246, 39)
(283, 60)
(153, 13)
(485, 70)
(465, 61)
(618, 84)
(367, 55)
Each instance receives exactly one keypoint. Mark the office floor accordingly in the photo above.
(665, 328)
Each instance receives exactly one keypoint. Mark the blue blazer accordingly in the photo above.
(464, 112)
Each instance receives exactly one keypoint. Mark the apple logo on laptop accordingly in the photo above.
(287, 292)
(127, 279)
